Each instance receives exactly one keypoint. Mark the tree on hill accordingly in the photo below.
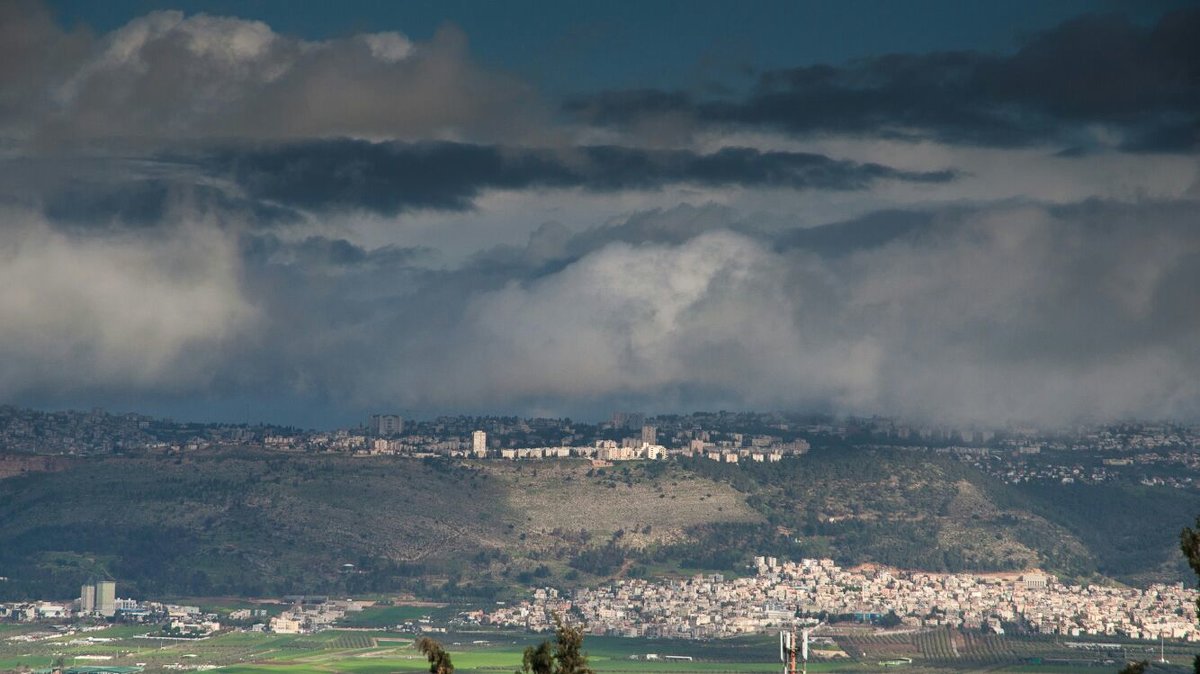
(564, 657)
(439, 659)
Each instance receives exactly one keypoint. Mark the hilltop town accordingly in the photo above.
(1014, 454)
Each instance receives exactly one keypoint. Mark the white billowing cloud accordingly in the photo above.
(388, 47)
(719, 315)
(86, 313)
(167, 76)
(219, 39)
(619, 317)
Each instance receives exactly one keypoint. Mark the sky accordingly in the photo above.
(305, 213)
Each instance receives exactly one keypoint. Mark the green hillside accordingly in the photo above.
(929, 511)
(268, 524)
(240, 524)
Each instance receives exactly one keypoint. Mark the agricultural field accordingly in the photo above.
(372, 652)
(363, 651)
(501, 652)
(382, 617)
(967, 650)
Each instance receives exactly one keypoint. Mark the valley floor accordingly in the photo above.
(381, 652)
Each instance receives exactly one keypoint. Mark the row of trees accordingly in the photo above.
(564, 656)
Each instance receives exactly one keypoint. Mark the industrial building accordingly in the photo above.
(98, 597)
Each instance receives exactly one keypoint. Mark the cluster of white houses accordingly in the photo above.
(601, 450)
(312, 615)
(713, 606)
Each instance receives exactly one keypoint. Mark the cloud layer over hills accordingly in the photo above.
(197, 209)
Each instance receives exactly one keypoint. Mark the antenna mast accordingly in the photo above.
(788, 647)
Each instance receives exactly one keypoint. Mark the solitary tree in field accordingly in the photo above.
(568, 649)
(565, 656)
(439, 659)
(1189, 542)
(538, 659)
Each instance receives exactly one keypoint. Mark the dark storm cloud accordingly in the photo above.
(100, 192)
(147, 202)
(1091, 70)
(393, 177)
(1167, 137)
(868, 231)
(266, 184)
(319, 253)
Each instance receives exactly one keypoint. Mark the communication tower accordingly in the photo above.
(791, 646)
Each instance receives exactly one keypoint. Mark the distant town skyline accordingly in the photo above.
(305, 215)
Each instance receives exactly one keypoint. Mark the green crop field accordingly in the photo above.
(502, 653)
(484, 652)
(390, 616)
(368, 652)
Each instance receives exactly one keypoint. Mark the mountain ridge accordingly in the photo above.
(257, 523)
